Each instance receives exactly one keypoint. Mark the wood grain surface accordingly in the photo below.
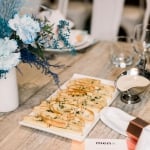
(35, 87)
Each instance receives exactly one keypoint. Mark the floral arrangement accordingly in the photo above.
(24, 38)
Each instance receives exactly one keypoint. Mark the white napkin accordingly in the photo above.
(144, 140)
(119, 120)
(53, 16)
(116, 119)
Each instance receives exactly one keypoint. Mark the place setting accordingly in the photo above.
(79, 39)
(131, 55)
(51, 115)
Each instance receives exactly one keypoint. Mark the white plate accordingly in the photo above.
(87, 41)
(88, 127)
(78, 37)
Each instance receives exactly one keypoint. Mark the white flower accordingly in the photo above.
(26, 28)
(8, 57)
(6, 63)
(7, 46)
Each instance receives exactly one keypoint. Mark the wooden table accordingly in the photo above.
(35, 87)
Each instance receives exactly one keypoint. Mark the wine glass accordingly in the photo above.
(142, 46)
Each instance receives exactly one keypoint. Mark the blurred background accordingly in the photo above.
(83, 13)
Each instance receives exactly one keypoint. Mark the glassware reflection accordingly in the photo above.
(142, 46)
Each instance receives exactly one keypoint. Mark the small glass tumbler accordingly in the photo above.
(122, 53)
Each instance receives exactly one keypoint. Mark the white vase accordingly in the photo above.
(9, 99)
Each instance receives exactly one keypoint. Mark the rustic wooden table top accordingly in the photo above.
(35, 87)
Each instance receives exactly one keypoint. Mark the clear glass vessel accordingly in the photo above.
(142, 46)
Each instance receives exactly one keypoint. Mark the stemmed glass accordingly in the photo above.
(142, 47)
